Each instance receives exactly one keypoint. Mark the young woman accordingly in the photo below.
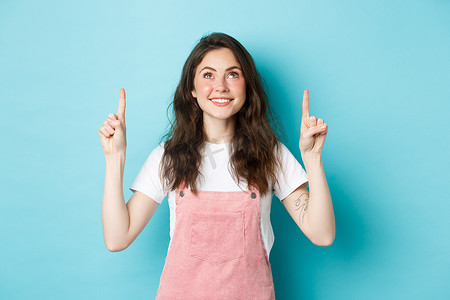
(219, 166)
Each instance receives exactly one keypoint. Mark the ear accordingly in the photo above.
(194, 94)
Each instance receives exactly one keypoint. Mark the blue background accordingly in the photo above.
(377, 72)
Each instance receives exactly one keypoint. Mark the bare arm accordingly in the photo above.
(313, 211)
(320, 209)
(297, 206)
(122, 223)
(141, 209)
(115, 218)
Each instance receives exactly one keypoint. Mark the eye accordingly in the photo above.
(208, 75)
(234, 75)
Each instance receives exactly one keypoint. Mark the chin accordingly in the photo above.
(221, 117)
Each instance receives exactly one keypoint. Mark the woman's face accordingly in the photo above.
(219, 85)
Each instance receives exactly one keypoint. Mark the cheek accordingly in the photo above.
(204, 87)
(239, 86)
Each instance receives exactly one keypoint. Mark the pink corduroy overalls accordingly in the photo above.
(217, 251)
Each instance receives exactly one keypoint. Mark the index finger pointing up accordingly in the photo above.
(121, 112)
(305, 106)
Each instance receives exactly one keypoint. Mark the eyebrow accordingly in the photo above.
(229, 69)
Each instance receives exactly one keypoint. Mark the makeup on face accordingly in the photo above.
(219, 81)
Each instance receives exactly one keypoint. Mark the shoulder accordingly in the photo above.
(287, 159)
(158, 151)
(155, 155)
(282, 151)
(291, 174)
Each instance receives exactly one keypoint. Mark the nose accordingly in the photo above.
(221, 86)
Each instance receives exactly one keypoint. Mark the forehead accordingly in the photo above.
(219, 58)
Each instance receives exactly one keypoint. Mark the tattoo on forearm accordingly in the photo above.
(302, 203)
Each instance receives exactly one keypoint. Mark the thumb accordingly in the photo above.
(313, 131)
(116, 125)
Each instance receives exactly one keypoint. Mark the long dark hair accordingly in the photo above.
(255, 144)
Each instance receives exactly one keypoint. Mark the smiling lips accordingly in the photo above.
(221, 101)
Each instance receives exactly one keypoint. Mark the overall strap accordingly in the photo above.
(253, 188)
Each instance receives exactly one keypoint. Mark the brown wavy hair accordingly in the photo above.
(255, 148)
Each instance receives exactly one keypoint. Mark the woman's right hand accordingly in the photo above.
(113, 131)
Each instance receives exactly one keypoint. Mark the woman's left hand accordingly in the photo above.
(312, 132)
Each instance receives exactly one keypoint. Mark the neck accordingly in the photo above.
(218, 131)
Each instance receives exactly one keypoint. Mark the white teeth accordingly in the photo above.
(221, 100)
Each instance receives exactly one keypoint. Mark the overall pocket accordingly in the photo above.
(217, 237)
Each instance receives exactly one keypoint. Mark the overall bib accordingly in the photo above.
(217, 251)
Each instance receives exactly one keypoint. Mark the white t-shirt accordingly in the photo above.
(217, 177)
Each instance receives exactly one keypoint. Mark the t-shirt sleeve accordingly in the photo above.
(290, 176)
(148, 180)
